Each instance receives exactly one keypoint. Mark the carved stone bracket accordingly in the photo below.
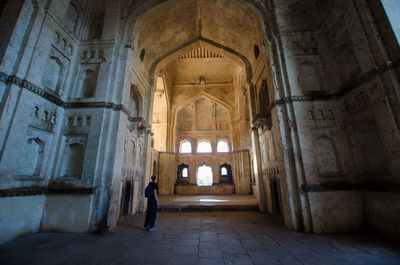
(263, 120)
(75, 139)
(140, 125)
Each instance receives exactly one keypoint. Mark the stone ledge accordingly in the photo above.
(192, 189)
(212, 208)
(36, 191)
(373, 186)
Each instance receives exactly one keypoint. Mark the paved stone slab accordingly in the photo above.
(201, 238)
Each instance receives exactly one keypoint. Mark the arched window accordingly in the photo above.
(224, 171)
(204, 176)
(155, 168)
(256, 51)
(222, 146)
(204, 146)
(185, 172)
(186, 147)
(142, 54)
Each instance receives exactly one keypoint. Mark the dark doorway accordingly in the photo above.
(126, 200)
(155, 169)
(275, 194)
(183, 174)
(225, 173)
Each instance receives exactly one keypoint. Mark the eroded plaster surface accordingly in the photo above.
(96, 96)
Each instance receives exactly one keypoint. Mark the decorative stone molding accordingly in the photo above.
(63, 44)
(263, 120)
(75, 139)
(321, 114)
(345, 89)
(44, 114)
(8, 79)
(200, 52)
(356, 104)
(93, 56)
(140, 125)
(341, 186)
(271, 171)
(79, 121)
(96, 105)
(37, 191)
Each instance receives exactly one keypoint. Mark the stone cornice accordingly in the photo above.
(344, 89)
(66, 105)
(96, 105)
(9, 79)
(344, 186)
(37, 191)
(88, 43)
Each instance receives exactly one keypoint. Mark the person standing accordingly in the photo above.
(152, 202)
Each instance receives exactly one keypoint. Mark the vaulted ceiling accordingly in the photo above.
(174, 24)
(201, 62)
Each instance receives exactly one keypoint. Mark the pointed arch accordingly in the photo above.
(176, 52)
(192, 99)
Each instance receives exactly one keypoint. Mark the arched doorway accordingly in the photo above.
(204, 176)
(206, 94)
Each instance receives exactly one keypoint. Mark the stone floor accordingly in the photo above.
(201, 238)
(234, 202)
(206, 200)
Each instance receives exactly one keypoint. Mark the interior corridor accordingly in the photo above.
(201, 238)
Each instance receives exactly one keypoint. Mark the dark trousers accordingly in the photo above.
(151, 213)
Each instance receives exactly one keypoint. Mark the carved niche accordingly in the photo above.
(71, 17)
(309, 76)
(30, 164)
(88, 82)
(345, 58)
(135, 101)
(327, 156)
(73, 156)
(263, 117)
(54, 72)
(91, 59)
(185, 117)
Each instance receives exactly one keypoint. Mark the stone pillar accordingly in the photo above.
(262, 195)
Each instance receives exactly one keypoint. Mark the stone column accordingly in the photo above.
(257, 166)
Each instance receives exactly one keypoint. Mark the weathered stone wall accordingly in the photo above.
(167, 173)
(311, 88)
(65, 128)
(24, 221)
(340, 83)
